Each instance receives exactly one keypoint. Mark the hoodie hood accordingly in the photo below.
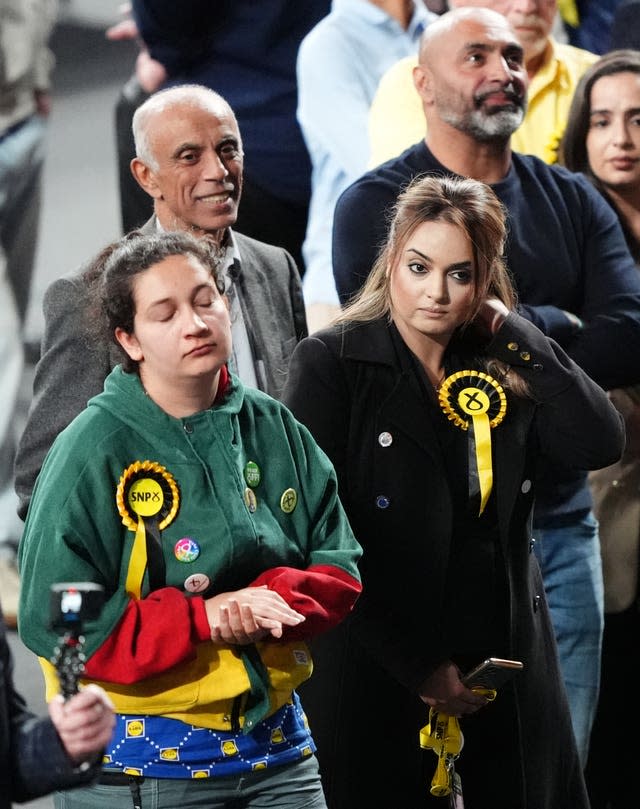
(125, 400)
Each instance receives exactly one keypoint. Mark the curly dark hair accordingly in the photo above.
(111, 275)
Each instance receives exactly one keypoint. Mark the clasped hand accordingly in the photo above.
(445, 692)
(249, 615)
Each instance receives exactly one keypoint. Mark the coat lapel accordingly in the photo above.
(400, 401)
(265, 333)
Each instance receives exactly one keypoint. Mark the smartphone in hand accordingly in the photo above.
(492, 673)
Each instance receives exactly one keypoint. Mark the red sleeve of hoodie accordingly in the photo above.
(164, 629)
(324, 594)
(153, 635)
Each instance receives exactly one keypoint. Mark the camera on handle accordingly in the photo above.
(72, 603)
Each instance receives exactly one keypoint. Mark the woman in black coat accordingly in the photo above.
(435, 400)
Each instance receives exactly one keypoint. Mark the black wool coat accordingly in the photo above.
(350, 386)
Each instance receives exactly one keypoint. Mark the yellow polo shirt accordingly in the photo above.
(396, 118)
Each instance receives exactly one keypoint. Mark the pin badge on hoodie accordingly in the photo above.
(252, 474)
(186, 550)
(250, 500)
(197, 583)
(288, 500)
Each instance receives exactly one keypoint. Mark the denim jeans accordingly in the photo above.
(569, 556)
(294, 786)
(21, 165)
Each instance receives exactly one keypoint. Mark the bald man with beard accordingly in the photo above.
(554, 68)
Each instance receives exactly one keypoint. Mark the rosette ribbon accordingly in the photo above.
(148, 499)
(475, 402)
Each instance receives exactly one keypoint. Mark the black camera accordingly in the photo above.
(73, 603)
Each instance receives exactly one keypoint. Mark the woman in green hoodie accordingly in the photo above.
(211, 519)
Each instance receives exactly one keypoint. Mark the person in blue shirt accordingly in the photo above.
(340, 63)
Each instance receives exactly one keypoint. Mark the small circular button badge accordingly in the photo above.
(385, 439)
(252, 474)
(197, 583)
(250, 500)
(186, 550)
(289, 500)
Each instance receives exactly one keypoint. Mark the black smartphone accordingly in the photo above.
(492, 672)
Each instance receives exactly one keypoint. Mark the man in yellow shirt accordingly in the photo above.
(396, 119)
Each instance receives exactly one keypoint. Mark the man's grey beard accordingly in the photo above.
(486, 128)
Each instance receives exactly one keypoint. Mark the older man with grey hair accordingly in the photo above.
(190, 161)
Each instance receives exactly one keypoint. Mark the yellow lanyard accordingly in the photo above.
(443, 735)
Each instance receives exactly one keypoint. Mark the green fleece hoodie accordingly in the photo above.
(229, 478)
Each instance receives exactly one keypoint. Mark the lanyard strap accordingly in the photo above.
(443, 735)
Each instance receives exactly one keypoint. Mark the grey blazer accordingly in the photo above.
(73, 367)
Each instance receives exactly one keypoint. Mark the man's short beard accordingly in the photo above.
(486, 128)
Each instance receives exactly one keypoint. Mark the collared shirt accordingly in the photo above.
(339, 65)
(242, 361)
(550, 93)
(397, 118)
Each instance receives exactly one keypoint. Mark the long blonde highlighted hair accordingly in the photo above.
(469, 204)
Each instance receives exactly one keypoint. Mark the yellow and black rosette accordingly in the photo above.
(148, 499)
(475, 402)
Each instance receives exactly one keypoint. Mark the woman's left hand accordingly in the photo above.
(444, 691)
